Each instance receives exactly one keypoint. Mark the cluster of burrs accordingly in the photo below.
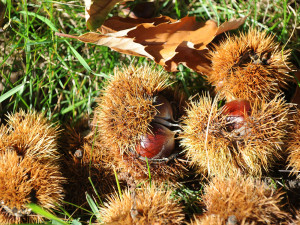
(242, 133)
(29, 168)
(145, 128)
(142, 120)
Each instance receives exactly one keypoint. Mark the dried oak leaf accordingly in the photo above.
(117, 23)
(96, 12)
(166, 41)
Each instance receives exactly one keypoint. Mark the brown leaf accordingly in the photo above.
(173, 34)
(96, 12)
(117, 23)
(191, 58)
(231, 25)
(116, 41)
(162, 39)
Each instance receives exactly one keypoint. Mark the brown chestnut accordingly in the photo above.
(164, 108)
(236, 112)
(158, 144)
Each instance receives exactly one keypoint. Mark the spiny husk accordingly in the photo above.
(24, 180)
(130, 163)
(249, 201)
(82, 176)
(208, 220)
(150, 204)
(250, 66)
(296, 221)
(216, 151)
(80, 139)
(30, 134)
(124, 113)
(83, 158)
(216, 219)
(293, 149)
(126, 107)
(73, 134)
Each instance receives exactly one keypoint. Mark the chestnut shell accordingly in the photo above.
(158, 144)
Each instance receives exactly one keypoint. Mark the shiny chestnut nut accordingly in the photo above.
(236, 112)
(161, 141)
(164, 108)
(158, 144)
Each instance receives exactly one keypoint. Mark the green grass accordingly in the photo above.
(63, 77)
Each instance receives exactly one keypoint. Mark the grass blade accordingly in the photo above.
(83, 62)
(42, 18)
(40, 211)
(149, 172)
(118, 184)
(93, 206)
(11, 92)
(72, 107)
(95, 190)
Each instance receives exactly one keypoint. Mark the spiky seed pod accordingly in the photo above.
(73, 134)
(135, 119)
(146, 205)
(127, 106)
(245, 200)
(82, 176)
(30, 134)
(82, 159)
(24, 180)
(209, 220)
(251, 148)
(293, 149)
(250, 66)
(77, 138)
(296, 221)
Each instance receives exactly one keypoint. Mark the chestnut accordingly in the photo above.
(163, 107)
(158, 144)
(249, 66)
(248, 143)
(135, 120)
(236, 112)
(161, 141)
